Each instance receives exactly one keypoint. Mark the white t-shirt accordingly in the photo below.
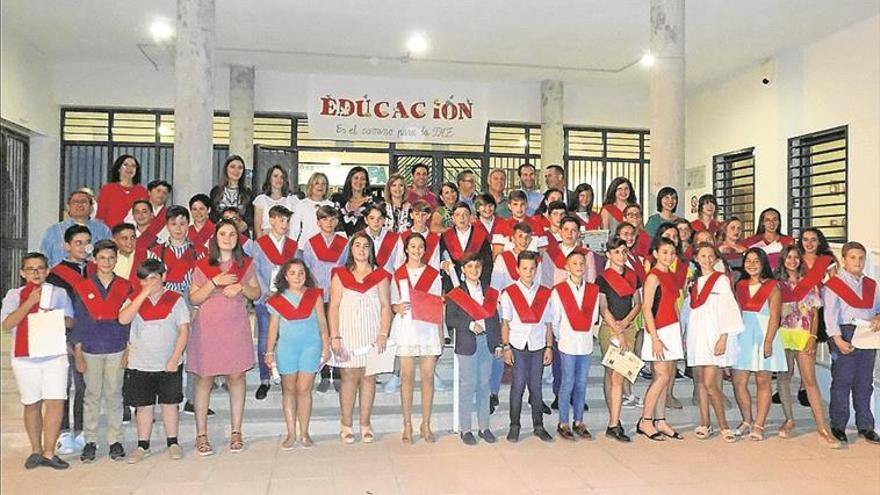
(152, 342)
(265, 203)
(304, 223)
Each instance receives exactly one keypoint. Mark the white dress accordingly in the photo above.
(359, 316)
(705, 324)
(414, 337)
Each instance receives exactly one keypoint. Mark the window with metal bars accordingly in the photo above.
(733, 184)
(817, 182)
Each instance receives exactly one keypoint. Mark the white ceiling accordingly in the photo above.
(722, 35)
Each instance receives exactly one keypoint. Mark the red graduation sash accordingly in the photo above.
(212, 271)
(812, 278)
(700, 298)
(593, 221)
(450, 240)
(271, 251)
(698, 226)
(349, 282)
(614, 211)
(386, 247)
(528, 313)
(328, 253)
(753, 303)
(638, 266)
(290, 312)
(99, 307)
(554, 251)
(689, 252)
(21, 331)
(642, 246)
(68, 274)
(579, 315)
(200, 237)
(681, 272)
(426, 279)
(159, 311)
(177, 267)
(843, 291)
(156, 224)
(503, 227)
(622, 285)
(509, 260)
(666, 313)
(432, 240)
(783, 240)
(467, 303)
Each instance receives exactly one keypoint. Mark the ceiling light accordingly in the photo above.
(647, 60)
(335, 161)
(165, 130)
(417, 44)
(161, 30)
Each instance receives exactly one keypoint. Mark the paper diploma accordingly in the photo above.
(625, 363)
(864, 337)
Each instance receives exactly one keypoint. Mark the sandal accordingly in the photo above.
(306, 442)
(757, 433)
(367, 434)
(704, 432)
(236, 444)
(203, 446)
(676, 435)
(728, 435)
(346, 435)
(656, 436)
(786, 429)
(743, 429)
(826, 439)
(288, 444)
(426, 433)
(406, 436)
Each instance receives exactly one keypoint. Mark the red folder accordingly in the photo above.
(426, 307)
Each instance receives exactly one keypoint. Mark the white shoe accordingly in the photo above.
(438, 383)
(631, 402)
(66, 444)
(392, 385)
(80, 441)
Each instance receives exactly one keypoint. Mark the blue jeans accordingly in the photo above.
(573, 386)
(473, 389)
(527, 368)
(497, 373)
(262, 315)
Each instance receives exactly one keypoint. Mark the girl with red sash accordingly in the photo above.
(298, 343)
(417, 331)
(769, 237)
(759, 348)
(619, 195)
(581, 204)
(819, 263)
(707, 215)
(359, 317)
(384, 239)
(160, 323)
(636, 263)
(632, 215)
(714, 317)
(220, 342)
(801, 301)
(202, 228)
(421, 215)
(662, 344)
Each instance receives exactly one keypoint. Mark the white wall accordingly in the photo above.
(827, 83)
(26, 101)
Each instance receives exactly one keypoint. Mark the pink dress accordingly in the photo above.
(220, 342)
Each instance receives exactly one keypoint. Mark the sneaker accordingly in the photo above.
(631, 402)
(646, 374)
(79, 441)
(262, 390)
(188, 408)
(116, 451)
(137, 455)
(66, 444)
(88, 453)
(493, 403)
(126, 415)
(175, 453)
(324, 385)
(55, 462)
(392, 385)
(439, 386)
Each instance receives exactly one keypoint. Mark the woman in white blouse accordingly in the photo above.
(275, 191)
(303, 222)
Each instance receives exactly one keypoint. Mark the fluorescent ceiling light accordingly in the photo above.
(161, 30)
(647, 60)
(417, 44)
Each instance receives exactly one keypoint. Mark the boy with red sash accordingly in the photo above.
(154, 228)
(517, 203)
(851, 299)
(66, 274)
(555, 257)
(270, 252)
(384, 239)
(126, 240)
(464, 237)
(496, 226)
(575, 309)
(202, 228)
(159, 321)
(100, 342)
(421, 219)
(41, 380)
(527, 342)
(322, 253)
(178, 253)
(504, 270)
(472, 313)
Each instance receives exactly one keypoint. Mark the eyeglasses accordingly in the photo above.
(34, 269)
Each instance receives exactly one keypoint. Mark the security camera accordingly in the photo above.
(768, 72)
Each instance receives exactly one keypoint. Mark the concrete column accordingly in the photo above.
(194, 99)
(552, 137)
(241, 113)
(667, 97)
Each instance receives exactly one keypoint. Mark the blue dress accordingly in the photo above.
(299, 341)
(749, 350)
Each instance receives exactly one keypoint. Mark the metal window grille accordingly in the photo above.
(733, 184)
(817, 182)
(14, 160)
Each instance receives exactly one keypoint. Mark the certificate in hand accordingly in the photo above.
(426, 307)
(864, 337)
(381, 363)
(46, 333)
(625, 363)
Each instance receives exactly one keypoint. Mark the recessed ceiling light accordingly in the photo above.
(161, 30)
(647, 60)
(417, 44)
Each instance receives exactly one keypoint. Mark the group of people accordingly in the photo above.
(165, 293)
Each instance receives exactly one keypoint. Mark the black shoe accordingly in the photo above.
(646, 374)
(776, 399)
(678, 374)
(870, 435)
(262, 390)
(586, 407)
(839, 434)
(493, 403)
(656, 436)
(468, 438)
(541, 433)
(581, 431)
(564, 432)
(545, 409)
(55, 462)
(555, 404)
(618, 434)
(116, 452)
(324, 385)
(803, 399)
(337, 384)
(189, 409)
(487, 435)
(513, 433)
(88, 453)
(33, 461)
(126, 415)
(689, 372)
